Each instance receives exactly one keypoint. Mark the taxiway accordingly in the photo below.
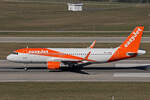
(126, 71)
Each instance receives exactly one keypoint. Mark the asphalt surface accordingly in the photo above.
(122, 71)
(66, 39)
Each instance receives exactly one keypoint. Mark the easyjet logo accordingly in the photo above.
(133, 37)
(39, 52)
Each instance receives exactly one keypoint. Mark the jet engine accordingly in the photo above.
(53, 65)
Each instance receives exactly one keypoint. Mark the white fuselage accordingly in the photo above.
(97, 54)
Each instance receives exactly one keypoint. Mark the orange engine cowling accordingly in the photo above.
(53, 65)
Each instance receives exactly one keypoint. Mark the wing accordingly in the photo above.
(74, 62)
(85, 60)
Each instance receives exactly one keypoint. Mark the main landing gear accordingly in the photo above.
(75, 68)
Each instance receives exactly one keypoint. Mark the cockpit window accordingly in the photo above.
(15, 53)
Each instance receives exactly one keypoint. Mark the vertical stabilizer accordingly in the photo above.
(132, 43)
(130, 46)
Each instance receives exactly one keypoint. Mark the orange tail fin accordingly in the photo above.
(130, 46)
(132, 43)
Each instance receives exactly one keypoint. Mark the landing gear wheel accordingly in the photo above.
(25, 69)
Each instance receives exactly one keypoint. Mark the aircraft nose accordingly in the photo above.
(10, 57)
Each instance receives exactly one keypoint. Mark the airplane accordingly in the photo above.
(77, 58)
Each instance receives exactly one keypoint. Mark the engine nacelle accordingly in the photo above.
(53, 65)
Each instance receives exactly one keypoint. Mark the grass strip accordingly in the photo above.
(75, 91)
(96, 16)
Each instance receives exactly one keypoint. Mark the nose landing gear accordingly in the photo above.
(25, 67)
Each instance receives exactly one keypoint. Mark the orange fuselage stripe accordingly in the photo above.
(49, 52)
